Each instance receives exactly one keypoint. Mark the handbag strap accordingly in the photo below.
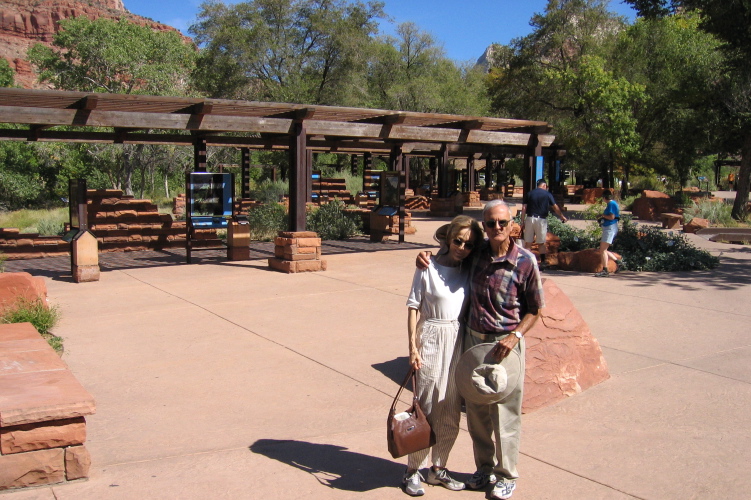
(410, 374)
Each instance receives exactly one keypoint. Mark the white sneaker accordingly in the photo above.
(441, 477)
(413, 484)
(503, 489)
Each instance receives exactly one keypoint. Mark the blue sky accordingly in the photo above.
(464, 27)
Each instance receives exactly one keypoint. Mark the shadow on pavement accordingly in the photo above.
(396, 369)
(333, 466)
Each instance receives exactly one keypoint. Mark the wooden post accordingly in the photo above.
(199, 155)
(470, 173)
(245, 168)
(298, 180)
(443, 172)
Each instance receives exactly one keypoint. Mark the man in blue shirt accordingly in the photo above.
(534, 218)
(609, 222)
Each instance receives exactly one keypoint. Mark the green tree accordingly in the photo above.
(410, 72)
(684, 63)
(117, 57)
(311, 51)
(730, 21)
(6, 73)
(546, 75)
(114, 56)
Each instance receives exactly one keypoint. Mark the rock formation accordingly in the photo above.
(26, 22)
(563, 357)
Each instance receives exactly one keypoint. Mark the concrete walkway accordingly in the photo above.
(228, 380)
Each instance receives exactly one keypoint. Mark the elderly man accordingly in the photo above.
(505, 301)
(534, 219)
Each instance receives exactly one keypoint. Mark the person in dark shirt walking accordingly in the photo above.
(534, 218)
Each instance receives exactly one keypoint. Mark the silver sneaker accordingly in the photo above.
(480, 480)
(412, 484)
(441, 477)
(503, 489)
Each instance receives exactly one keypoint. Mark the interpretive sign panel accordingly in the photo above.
(210, 199)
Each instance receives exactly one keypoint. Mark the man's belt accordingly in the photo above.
(486, 336)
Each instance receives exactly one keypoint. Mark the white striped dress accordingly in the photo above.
(438, 292)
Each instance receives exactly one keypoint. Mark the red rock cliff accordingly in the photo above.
(26, 22)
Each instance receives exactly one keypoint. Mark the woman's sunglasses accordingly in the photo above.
(466, 244)
(492, 223)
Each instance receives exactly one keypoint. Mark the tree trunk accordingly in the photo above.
(166, 185)
(740, 207)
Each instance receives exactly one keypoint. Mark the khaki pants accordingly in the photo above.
(501, 421)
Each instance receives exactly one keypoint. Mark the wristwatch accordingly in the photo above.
(518, 334)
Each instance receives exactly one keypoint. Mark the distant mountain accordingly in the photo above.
(26, 22)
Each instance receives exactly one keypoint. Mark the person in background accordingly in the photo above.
(438, 296)
(609, 222)
(534, 218)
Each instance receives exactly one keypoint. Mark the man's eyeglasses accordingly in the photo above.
(466, 244)
(501, 223)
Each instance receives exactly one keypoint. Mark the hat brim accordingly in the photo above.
(476, 364)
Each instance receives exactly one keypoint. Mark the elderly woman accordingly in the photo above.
(438, 297)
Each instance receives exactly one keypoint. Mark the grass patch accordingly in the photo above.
(43, 318)
(44, 222)
(717, 213)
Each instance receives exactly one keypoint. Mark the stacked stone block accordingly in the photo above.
(297, 252)
(472, 199)
(17, 245)
(42, 410)
(446, 207)
(329, 189)
(383, 226)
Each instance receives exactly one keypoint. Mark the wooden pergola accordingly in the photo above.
(61, 116)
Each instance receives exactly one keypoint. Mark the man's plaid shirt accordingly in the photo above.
(503, 289)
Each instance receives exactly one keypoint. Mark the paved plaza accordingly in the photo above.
(228, 380)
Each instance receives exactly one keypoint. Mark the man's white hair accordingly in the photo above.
(492, 204)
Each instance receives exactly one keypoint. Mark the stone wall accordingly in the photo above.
(42, 405)
(119, 223)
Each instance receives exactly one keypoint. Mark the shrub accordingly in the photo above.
(267, 220)
(643, 248)
(270, 191)
(717, 213)
(35, 312)
(332, 223)
(572, 239)
(646, 248)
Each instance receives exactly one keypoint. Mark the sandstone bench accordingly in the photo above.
(42, 409)
(671, 221)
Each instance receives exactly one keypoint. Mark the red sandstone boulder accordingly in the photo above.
(563, 357)
(695, 224)
(583, 261)
(21, 286)
(590, 196)
(651, 204)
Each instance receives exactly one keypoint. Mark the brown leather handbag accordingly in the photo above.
(409, 431)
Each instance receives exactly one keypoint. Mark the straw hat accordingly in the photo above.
(481, 380)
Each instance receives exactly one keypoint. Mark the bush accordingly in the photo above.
(717, 213)
(267, 220)
(646, 248)
(43, 318)
(643, 248)
(270, 191)
(572, 239)
(332, 223)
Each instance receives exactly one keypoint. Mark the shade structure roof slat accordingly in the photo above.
(218, 117)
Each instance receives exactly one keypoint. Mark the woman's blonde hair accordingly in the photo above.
(448, 232)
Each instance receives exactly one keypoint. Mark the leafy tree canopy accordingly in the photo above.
(310, 51)
(114, 56)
